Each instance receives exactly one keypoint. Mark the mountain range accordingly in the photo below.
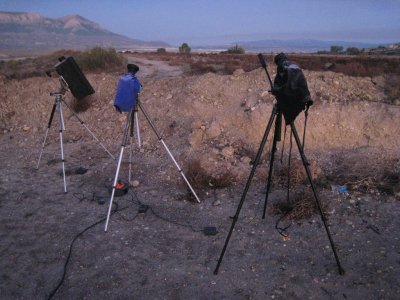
(27, 32)
(30, 33)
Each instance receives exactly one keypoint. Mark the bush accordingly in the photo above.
(161, 50)
(236, 50)
(392, 88)
(353, 51)
(336, 49)
(101, 59)
(184, 48)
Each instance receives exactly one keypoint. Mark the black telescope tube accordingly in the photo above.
(262, 60)
(264, 65)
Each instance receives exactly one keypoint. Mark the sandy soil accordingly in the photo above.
(163, 253)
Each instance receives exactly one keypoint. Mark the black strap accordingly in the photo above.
(305, 124)
(283, 231)
(283, 145)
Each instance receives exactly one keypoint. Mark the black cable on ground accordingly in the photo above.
(54, 291)
(208, 230)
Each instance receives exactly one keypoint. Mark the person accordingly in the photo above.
(290, 88)
(128, 90)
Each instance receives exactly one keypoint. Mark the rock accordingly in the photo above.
(169, 96)
(245, 159)
(217, 203)
(228, 152)
(214, 130)
(26, 128)
(329, 66)
(135, 183)
(264, 94)
(238, 72)
(196, 137)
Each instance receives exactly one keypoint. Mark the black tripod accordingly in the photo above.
(277, 115)
(129, 129)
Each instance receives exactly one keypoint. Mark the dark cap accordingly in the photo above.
(132, 68)
(280, 58)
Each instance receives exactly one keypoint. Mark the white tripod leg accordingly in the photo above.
(114, 186)
(137, 129)
(60, 129)
(169, 152)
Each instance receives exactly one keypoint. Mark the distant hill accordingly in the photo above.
(26, 32)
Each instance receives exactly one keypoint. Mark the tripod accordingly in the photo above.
(132, 118)
(277, 114)
(58, 100)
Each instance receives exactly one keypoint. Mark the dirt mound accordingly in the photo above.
(217, 119)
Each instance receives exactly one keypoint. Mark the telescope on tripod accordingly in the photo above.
(71, 78)
(289, 108)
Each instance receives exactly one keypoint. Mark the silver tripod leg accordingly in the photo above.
(124, 140)
(137, 128)
(60, 129)
(169, 152)
(114, 186)
(135, 124)
(41, 151)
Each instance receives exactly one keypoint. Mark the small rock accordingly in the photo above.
(238, 72)
(245, 159)
(135, 183)
(217, 203)
(214, 130)
(228, 151)
(26, 128)
(169, 96)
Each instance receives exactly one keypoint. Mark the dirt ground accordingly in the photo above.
(163, 253)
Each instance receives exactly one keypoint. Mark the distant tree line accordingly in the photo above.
(336, 49)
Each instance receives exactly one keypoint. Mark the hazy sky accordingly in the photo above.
(211, 21)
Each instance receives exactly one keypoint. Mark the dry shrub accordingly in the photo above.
(298, 174)
(387, 182)
(32, 67)
(101, 59)
(379, 175)
(392, 88)
(201, 178)
(300, 206)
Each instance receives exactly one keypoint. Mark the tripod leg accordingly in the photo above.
(87, 128)
(305, 163)
(137, 127)
(125, 137)
(132, 124)
(168, 151)
(47, 132)
(271, 163)
(114, 185)
(60, 130)
(252, 172)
